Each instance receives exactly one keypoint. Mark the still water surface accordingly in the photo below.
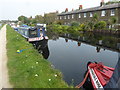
(71, 56)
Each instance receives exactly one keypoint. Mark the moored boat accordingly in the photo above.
(97, 76)
(32, 33)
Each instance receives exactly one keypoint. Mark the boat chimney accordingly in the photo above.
(80, 7)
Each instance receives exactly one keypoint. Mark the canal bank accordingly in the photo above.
(28, 69)
(77, 28)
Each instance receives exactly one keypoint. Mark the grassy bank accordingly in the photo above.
(28, 69)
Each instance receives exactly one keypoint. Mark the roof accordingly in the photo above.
(104, 7)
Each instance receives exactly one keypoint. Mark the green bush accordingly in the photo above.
(73, 29)
(100, 25)
(74, 23)
(83, 26)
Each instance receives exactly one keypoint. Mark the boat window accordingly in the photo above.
(33, 32)
(26, 33)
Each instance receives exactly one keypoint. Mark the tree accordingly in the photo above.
(90, 25)
(23, 19)
(33, 21)
(50, 18)
(39, 19)
(93, 22)
(95, 17)
(112, 2)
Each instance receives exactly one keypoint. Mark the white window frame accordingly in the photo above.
(72, 16)
(79, 15)
(68, 16)
(91, 14)
(112, 12)
(85, 15)
(103, 13)
(60, 17)
(64, 17)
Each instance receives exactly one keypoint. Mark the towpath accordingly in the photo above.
(4, 78)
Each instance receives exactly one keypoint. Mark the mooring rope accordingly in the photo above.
(81, 84)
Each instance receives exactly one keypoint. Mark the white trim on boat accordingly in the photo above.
(95, 79)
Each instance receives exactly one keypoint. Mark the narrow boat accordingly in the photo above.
(97, 76)
(32, 34)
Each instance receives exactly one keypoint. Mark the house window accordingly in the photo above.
(79, 16)
(85, 15)
(103, 13)
(91, 14)
(112, 12)
(73, 16)
(60, 17)
(68, 16)
(64, 17)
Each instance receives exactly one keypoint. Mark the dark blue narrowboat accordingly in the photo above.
(32, 33)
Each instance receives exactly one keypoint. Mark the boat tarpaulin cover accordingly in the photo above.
(114, 82)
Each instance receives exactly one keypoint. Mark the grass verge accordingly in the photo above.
(28, 69)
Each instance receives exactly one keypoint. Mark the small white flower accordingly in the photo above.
(26, 56)
(55, 75)
(36, 75)
(36, 62)
(49, 79)
(32, 66)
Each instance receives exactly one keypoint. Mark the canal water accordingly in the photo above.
(71, 53)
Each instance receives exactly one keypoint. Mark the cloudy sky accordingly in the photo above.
(11, 9)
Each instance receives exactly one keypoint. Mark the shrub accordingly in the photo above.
(74, 23)
(100, 25)
(83, 26)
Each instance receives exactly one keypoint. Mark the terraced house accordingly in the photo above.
(104, 12)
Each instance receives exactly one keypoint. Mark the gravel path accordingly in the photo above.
(4, 79)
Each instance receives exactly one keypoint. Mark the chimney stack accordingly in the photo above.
(66, 10)
(72, 9)
(102, 3)
(80, 7)
(57, 11)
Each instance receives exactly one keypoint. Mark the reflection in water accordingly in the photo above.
(100, 41)
(42, 47)
(66, 40)
(98, 49)
(79, 43)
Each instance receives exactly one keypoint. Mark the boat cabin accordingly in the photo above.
(33, 33)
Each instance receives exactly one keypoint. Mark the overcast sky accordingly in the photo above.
(11, 9)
